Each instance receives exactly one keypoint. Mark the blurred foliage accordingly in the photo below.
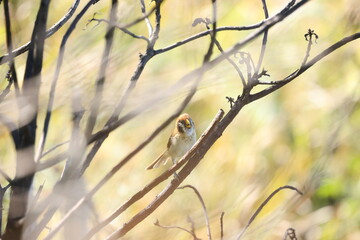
(306, 134)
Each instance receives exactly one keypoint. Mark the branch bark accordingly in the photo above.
(25, 162)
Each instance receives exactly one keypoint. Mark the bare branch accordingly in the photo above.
(56, 77)
(202, 34)
(50, 32)
(263, 24)
(304, 67)
(222, 226)
(263, 204)
(157, 223)
(109, 36)
(54, 148)
(10, 48)
(113, 124)
(125, 30)
(264, 41)
(51, 162)
(147, 21)
(242, 78)
(25, 164)
(207, 222)
(113, 121)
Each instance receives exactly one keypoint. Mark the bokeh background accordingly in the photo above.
(305, 135)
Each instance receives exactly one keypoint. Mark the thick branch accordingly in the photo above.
(25, 162)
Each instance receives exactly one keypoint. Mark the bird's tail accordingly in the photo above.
(162, 159)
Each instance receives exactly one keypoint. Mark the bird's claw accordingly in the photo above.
(176, 176)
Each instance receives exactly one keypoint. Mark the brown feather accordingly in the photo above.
(162, 159)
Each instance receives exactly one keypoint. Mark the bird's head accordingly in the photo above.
(185, 124)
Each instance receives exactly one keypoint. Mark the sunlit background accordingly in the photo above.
(305, 134)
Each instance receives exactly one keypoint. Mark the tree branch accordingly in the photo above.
(56, 77)
(113, 122)
(10, 48)
(303, 68)
(109, 36)
(157, 223)
(263, 204)
(222, 226)
(264, 41)
(50, 32)
(25, 162)
(207, 222)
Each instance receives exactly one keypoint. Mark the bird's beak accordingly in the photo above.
(187, 123)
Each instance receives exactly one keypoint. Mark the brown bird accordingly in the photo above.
(180, 141)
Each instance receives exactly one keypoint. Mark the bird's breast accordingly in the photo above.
(180, 145)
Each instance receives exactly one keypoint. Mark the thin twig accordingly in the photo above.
(136, 21)
(157, 223)
(40, 166)
(147, 21)
(192, 226)
(304, 67)
(242, 78)
(53, 148)
(263, 204)
(264, 41)
(50, 32)
(10, 48)
(113, 122)
(125, 30)
(56, 77)
(222, 226)
(100, 81)
(207, 222)
(217, 43)
(204, 33)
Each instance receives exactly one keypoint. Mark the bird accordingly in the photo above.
(180, 142)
